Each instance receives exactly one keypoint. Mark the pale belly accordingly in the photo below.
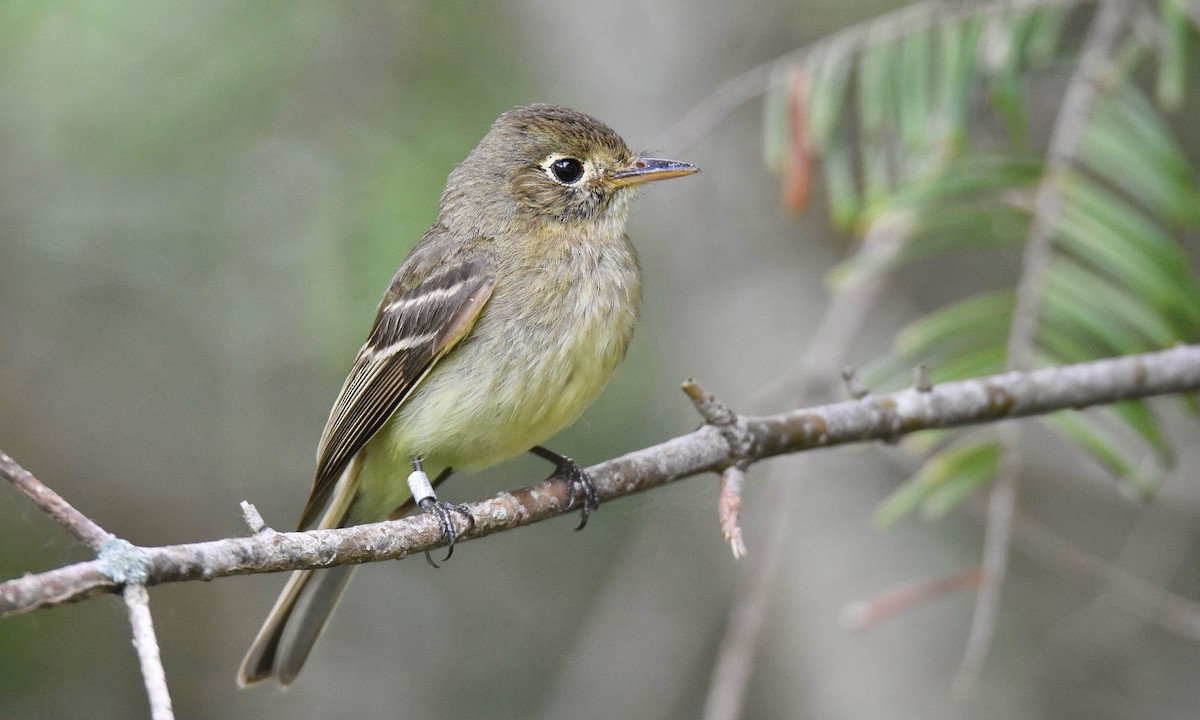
(527, 394)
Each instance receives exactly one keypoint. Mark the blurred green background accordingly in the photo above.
(200, 204)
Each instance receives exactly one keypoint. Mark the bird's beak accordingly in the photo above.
(645, 169)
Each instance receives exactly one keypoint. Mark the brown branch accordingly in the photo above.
(878, 417)
(78, 524)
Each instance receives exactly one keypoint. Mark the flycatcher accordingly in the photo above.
(502, 325)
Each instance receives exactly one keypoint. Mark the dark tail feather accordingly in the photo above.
(304, 606)
(295, 623)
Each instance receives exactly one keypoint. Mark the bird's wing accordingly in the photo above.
(413, 329)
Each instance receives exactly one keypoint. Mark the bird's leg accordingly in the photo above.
(577, 481)
(422, 492)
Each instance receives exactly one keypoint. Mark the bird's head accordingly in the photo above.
(548, 164)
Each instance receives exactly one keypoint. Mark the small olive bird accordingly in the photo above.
(502, 325)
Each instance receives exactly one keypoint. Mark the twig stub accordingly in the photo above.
(733, 427)
(854, 386)
(254, 520)
(710, 408)
(921, 380)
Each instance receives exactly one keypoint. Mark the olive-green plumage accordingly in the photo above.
(502, 325)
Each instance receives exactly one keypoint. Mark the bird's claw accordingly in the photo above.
(578, 483)
(441, 510)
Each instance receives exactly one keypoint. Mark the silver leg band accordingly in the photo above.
(419, 485)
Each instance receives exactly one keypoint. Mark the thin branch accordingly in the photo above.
(78, 524)
(146, 644)
(1047, 210)
(878, 417)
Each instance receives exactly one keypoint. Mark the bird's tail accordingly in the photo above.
(304, 606)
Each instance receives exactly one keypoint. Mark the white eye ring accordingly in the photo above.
(566, 170)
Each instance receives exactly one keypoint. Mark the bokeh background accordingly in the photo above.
(200, 204)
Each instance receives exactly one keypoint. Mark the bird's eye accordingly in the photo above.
(567, 170)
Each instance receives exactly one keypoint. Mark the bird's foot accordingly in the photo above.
(579, 485)
(422, 492)
(441, 510)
